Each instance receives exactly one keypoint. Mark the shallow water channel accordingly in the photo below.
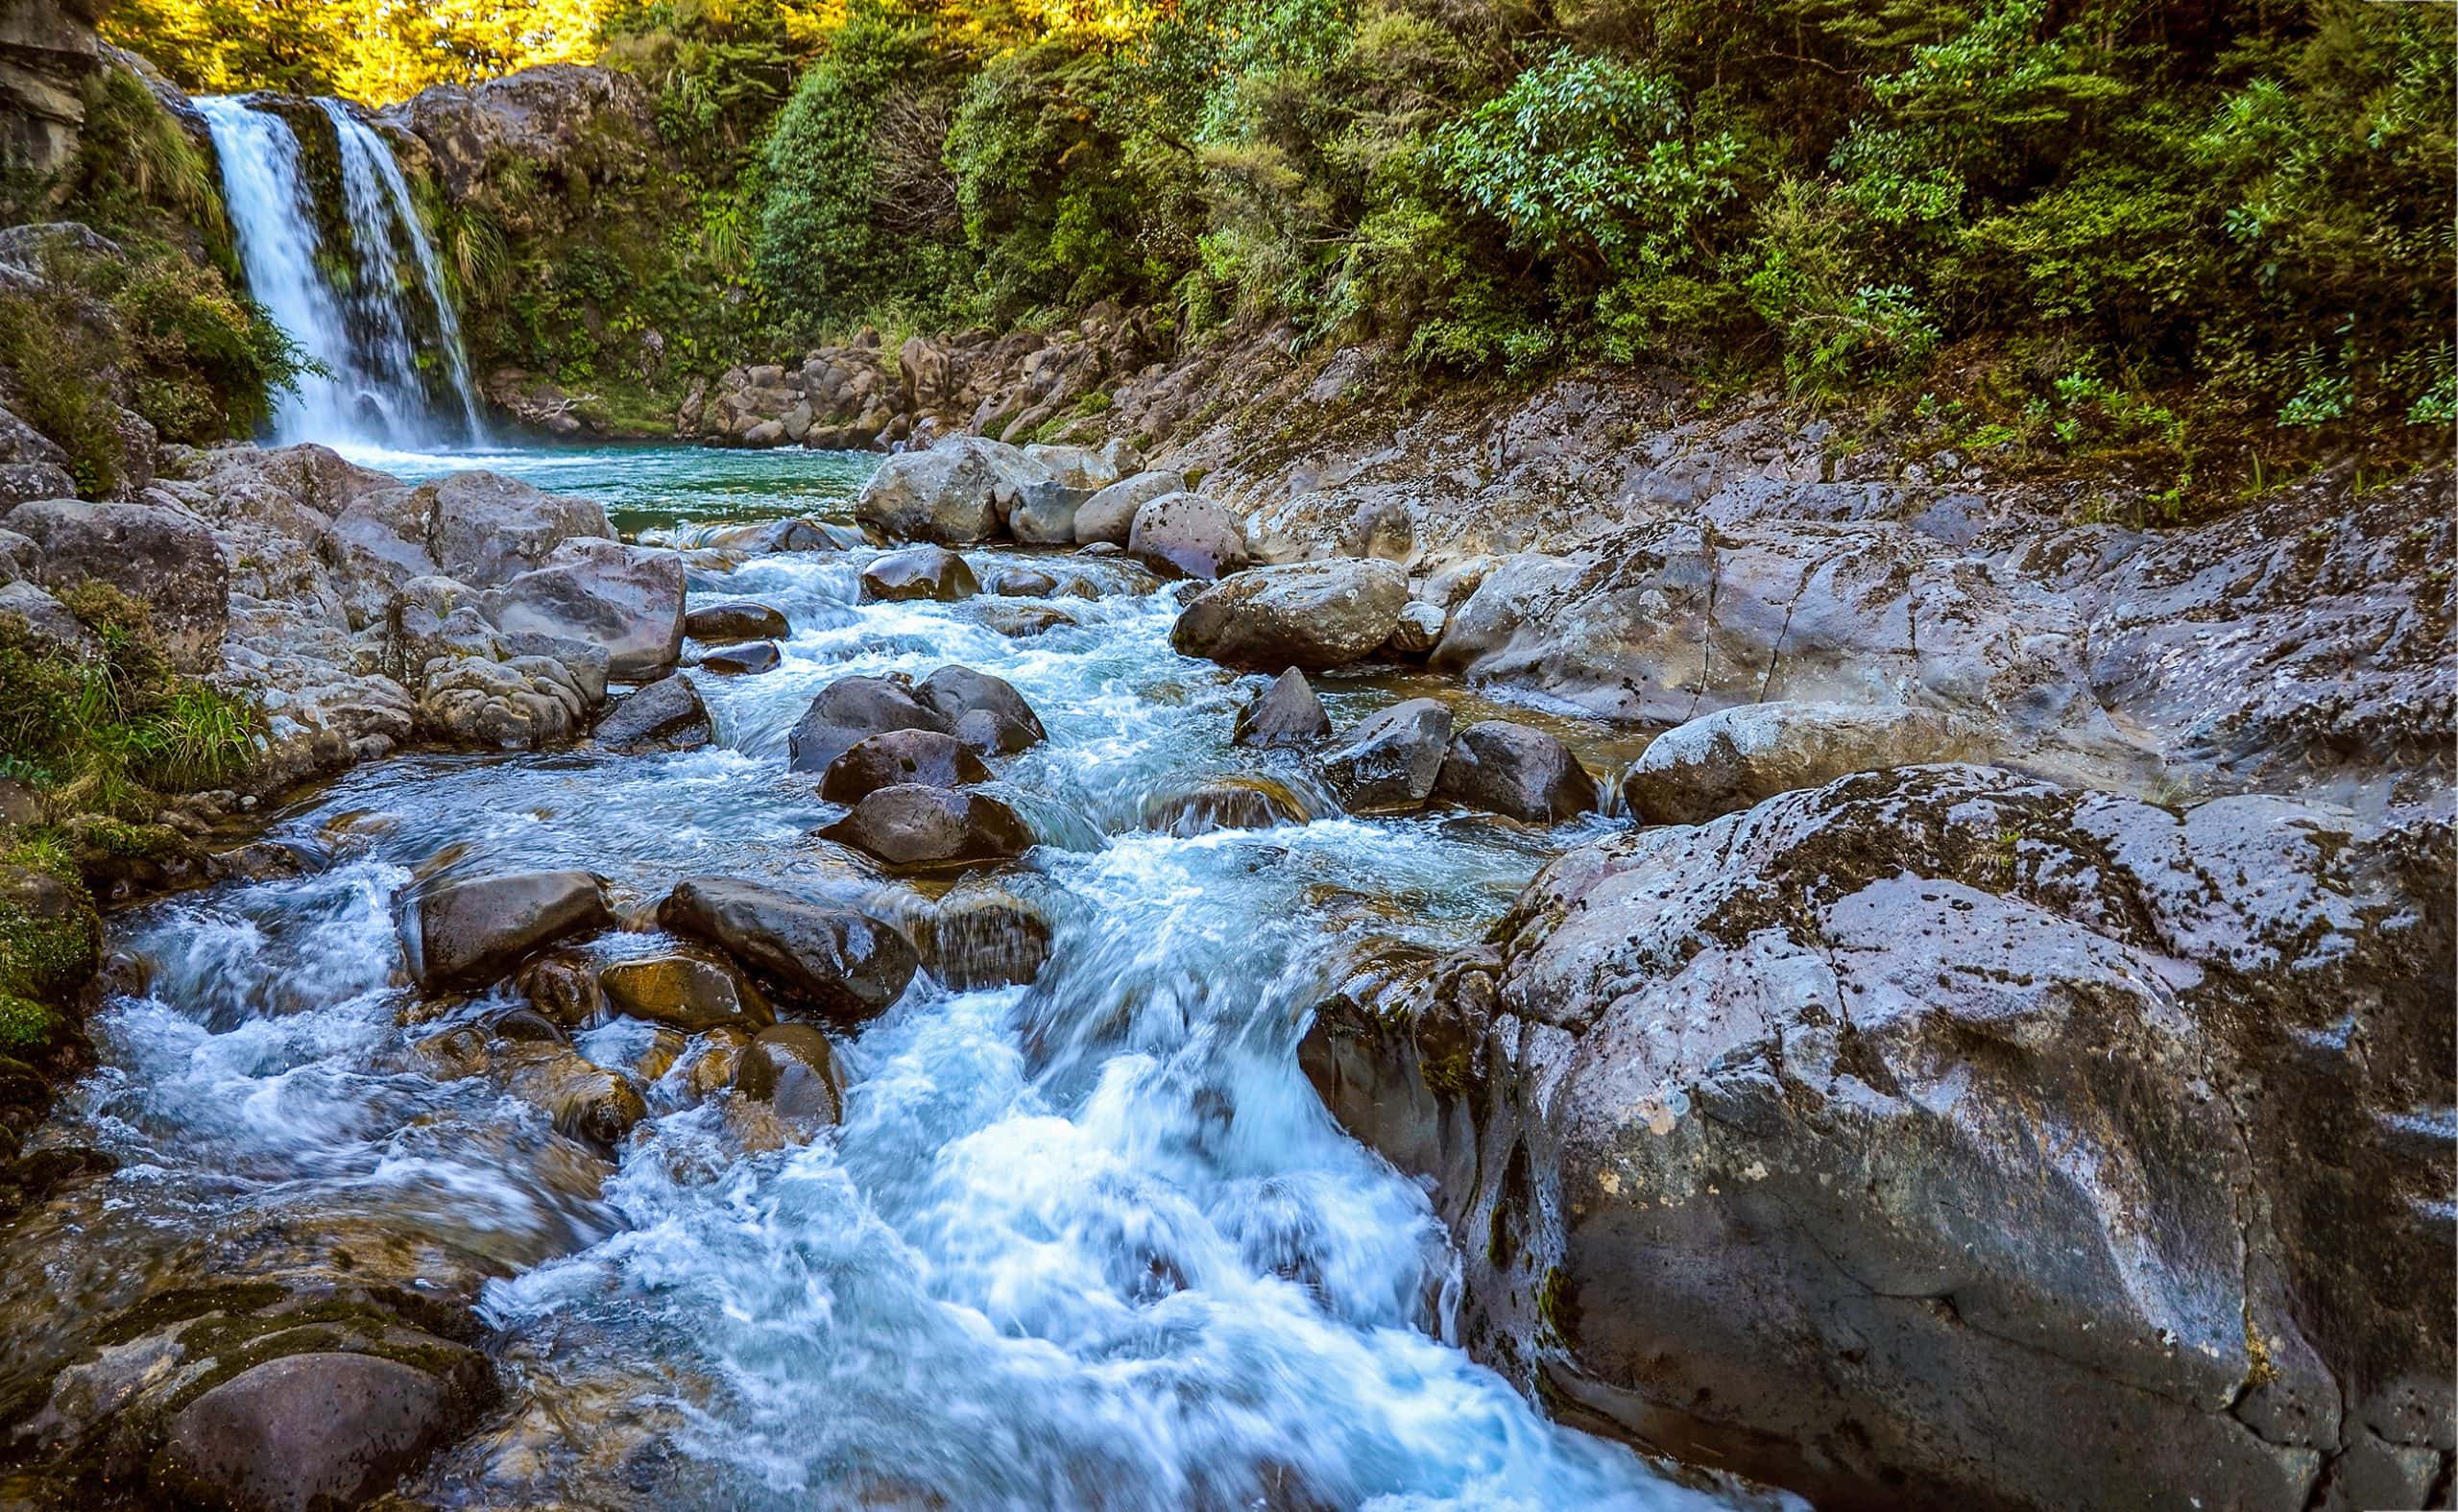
(1090, 1242)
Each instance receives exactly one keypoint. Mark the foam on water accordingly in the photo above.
(1091, 1242)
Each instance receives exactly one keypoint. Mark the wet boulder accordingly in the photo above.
(683, 991)
(834, 961)
(912, 827)
(666, 715)
(308, 1430)
(1191, 536)
(1735, 757)
(1287, 714)
(584, 1100)
(1939, 1138)
(985, 713)
(791, 1068)
(474, 932)
(1108, 516)
(1024, 583)
(984, 934)
(852, 710)
(1510, 769)
(896, 757)
(954, 493)
(1387, 762)
(749, 660)
(625, 600)
(1300, 613)
(919, 572)
(735, 620)
(1024, 621)
(562, 988)
(164, 557)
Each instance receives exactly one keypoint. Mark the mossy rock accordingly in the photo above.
(51, 939)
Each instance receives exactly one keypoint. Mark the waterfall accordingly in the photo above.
(352, 299)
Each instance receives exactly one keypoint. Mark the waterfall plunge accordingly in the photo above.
(355, 308)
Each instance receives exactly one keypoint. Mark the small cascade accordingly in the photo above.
(342, 262)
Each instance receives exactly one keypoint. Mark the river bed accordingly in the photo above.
(1090, 1242)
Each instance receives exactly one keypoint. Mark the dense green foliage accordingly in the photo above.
(106, 732)
(2090, 199)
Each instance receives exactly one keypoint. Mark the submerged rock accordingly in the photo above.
(306, 1431)
(1309, 614)
(685, 992)
(1287, 714)
(912, 827)
(832, 961)
(1512, 770)
(474, 932)
(919, 572)
(666, 715)
(737, 619)
(1735, 757)
(1939, 1138)
(1387, 762)
(984, 934)
(896, 757)
(584, 1100)
(1233, 803)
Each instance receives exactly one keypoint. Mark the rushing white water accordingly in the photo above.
(1093, 1243)
(356, 309)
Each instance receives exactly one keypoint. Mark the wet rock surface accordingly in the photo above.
(913, 826)
(928, 573)
(735, 620)
(925, 757)
(832, 961)
(1389, 762)
(1942, 1138)
(472, 932)
(1285, 714)
(1309, 614)
(666, 714)
(1515, 771)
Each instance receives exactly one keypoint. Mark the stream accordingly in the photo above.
(1093, 1243)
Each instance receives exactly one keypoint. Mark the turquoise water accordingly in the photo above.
(649, 484)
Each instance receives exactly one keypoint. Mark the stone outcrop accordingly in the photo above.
(1734, 757)
(1940, 1138)
(164, 557)
(1309, 614)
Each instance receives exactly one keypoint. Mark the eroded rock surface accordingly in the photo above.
(1943, 1138)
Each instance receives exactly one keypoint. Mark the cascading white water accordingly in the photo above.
(357, 308)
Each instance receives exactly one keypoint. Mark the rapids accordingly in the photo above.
(1092, 1242)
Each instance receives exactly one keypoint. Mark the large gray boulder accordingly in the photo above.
(1109, 515)
(164, 557)
(831, 961)
(469, 933)
(917, 826)
(1387, 762)
(1943, 1139)
(899, 757)
(1511, 769)
(852, 710)
(956, 493)
(984, 711)
(1734, 757)
(487, 529)
(1309, 614)
(1188, 535)
(666, 715)
(625, 600)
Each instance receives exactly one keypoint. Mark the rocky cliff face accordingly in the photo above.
(1940, 1138)
(47, 52)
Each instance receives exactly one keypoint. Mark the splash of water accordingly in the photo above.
(357, 308)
